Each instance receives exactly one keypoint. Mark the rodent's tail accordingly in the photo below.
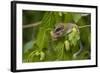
(79, 51)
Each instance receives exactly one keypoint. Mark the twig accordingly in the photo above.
(84, 26)
(31, 25)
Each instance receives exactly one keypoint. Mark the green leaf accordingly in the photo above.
(28, 46)
(74, 36)
(60, 13)
(42, 55)
(76, 17)
(85, 33)
(68, 18)
(41, 38)
(59, 47)
(57, 17)
(48, 20)
(67, 45)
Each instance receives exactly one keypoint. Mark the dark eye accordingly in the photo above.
(58, 29)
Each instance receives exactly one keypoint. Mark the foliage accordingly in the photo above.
(38, 45)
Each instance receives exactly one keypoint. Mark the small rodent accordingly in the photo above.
(61, 29)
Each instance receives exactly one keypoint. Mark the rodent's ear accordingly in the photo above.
(58, 27)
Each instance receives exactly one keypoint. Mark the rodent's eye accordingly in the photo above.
(58, 29)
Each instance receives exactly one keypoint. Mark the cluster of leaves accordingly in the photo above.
(38, 45)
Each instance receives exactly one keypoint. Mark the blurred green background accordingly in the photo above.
(37, 43)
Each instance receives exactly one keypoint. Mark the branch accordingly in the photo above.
(31, 25)
(37, 23)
